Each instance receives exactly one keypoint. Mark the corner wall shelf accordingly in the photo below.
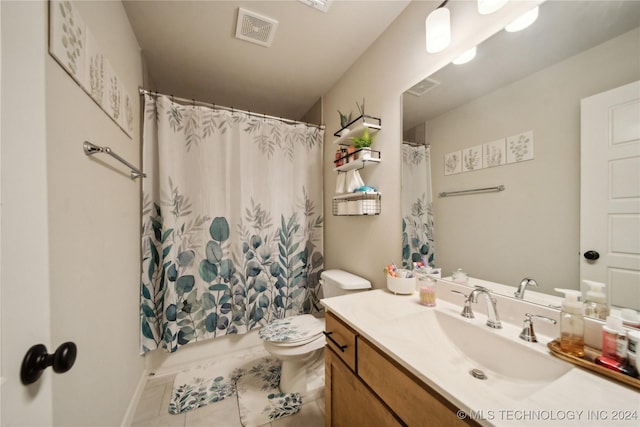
(363, 203)
(356, 128)
(359, 159)
(357, 164)
(349, 159)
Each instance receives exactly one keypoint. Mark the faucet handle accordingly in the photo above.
(528, 334)
(466, 311)
(461, 293)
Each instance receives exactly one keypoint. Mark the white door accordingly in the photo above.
(24, 269)
(610, 193)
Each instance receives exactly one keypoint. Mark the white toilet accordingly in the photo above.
(298, 341)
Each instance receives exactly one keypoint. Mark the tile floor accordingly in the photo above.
(152, 411)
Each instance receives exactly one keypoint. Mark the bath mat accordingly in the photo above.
(211, 382)
(251, 376)
(259, 398)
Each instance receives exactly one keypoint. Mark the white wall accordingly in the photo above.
(94, 232)
(25, 251)
(533, 228)
(396, 61)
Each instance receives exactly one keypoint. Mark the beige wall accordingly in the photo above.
(94, 228)
(396, 61)
(533, 228)
(314, 115)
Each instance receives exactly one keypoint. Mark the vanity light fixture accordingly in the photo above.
(523, 21)
(466, 56)
(438, 29)
(486, 7)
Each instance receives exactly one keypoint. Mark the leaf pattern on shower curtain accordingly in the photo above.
(417, 215)
(417, 237)
(225, 257)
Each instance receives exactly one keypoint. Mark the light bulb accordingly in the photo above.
(523, 21)
(486, 7)
(438, 30)
(466, 57)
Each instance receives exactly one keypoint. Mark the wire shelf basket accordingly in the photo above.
(357, 204)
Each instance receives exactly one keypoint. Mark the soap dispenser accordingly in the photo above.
(610, 337)
(571, 323)
(595, 304)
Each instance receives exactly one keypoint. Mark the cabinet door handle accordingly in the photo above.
(328, 335)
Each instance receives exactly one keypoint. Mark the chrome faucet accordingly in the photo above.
(528, 334)
(493, 321)
(523, 285)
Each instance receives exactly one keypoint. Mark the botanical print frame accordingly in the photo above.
(453, 163)
(472, 158)
(520, 147)
(493, 153)
(73, 46)
(513, 149)
(96, 69)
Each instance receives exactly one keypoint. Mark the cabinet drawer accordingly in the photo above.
(412, 402)
(342, 339)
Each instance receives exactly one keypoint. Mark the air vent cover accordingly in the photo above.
(423, 86)
(255, 28)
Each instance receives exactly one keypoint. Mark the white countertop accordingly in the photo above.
(405, 331)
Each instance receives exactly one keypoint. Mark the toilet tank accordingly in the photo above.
(340, 282)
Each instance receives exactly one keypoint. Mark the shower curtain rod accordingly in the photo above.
(416, 144)
(143, 91)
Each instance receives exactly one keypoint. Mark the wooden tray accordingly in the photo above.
(554, 346)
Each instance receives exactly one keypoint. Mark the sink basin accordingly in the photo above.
(512, 367)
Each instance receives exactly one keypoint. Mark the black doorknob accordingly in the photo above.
(37, 360)
(591, 255)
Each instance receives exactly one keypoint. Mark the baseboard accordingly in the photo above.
(135, 399)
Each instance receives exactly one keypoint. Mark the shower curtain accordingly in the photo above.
(231, 222)
(417, 214)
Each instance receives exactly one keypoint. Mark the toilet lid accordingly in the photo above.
(295, 330)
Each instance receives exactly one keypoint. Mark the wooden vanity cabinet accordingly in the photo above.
(364, 387)
(348, 401)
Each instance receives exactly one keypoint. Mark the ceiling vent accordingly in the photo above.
(255, 28)
(423, 86)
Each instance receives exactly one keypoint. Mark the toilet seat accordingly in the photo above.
(287, 351)
(292, 331)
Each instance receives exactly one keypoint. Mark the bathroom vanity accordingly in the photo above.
(364, 386)
(391, 361)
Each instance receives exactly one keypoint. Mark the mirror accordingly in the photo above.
(521, 92)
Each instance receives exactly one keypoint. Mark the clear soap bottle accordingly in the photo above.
(595, 304)
(572, 323)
